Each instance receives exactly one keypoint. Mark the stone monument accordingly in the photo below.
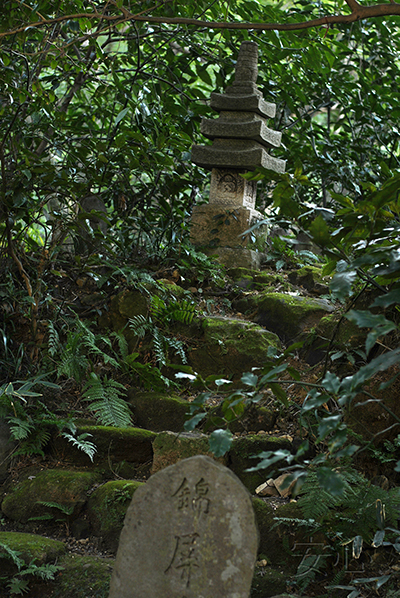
(240, 142)
(189, 532)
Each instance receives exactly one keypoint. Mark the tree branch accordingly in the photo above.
(358, 13)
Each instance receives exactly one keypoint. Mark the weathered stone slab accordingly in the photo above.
(190, 532)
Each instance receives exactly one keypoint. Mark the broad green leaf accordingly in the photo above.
(328, 425)
(330, 481)
(380, 514)
(389, 298)
(342, 283)
(279, 393)
(378, 538)
(220, 442)
(121, 115)
(191, 423)
(268, 458)
(320, 231)
(249, 379)
(331, 382)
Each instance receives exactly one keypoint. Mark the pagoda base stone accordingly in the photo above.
(237, 258)
(214, 226)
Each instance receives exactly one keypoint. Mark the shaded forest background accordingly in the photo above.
(98, 114)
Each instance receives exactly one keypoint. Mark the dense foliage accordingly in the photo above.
(98, 113)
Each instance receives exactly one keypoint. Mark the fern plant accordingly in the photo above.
(17, 585)
(106, 401)
(81, 344)
(161, 315)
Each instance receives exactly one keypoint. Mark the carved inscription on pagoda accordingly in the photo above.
(229, 189)
(189, 532)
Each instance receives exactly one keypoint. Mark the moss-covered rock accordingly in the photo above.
(106, 510)
(83, 577)
(278, 541)
(308, 277)
(169, 448)
(28, 547)
(157, 411)
(114, 447)
(286, 315)
(242, 453)
(267, 582)
(67, 489)
(123, 306)
(254, 419)
(230, 347)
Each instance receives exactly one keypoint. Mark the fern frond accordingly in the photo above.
(67, 510)
(122, 344)
(46, 572)
(140, 325)
(82, 444)
(159, 310)
(19, 428)
(73, 364)
(54, 339)
(107, 404)
(183, 312)
(158, 344)
(7, 552)
(178, 347)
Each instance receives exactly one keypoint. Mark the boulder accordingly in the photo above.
(64, 491)
(230, 347)
(169, 448)
(106, 510)
(157, 411)
(288, 316)
(29, 547)
(115, 446)
(242, 453)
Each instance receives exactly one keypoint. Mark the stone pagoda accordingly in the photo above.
(240, 143)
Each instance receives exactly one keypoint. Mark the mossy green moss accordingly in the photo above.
(66, 488)
(83, 577)
(277, 541)
(157, 411)
(169, 448)
(107, 507)
(231, 347)
(286, 315)
(243, 451)
(268, 582)
(114, 445)
(28, 547)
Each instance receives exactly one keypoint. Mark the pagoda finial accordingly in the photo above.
(247, 63)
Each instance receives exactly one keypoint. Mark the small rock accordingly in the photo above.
(266, 490)
(282, 487)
